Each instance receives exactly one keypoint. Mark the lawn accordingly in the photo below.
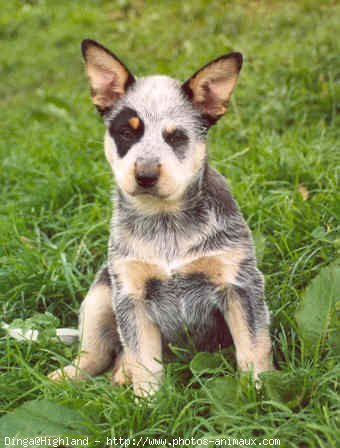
(277, 146)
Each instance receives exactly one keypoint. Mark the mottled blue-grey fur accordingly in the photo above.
(181, 264)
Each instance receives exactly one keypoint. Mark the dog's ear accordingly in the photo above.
(210, 88)
(109, 77)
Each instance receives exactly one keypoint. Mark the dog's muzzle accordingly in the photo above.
(147, 172)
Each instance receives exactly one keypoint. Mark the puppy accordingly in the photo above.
(181, 263)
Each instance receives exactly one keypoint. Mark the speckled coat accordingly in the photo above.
(181, 266)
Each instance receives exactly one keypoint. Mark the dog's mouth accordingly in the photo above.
(147, 193)
(155, 193)
(151, 203)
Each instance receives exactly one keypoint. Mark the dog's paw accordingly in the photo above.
(66, 373)
(146, 384)
(121, 374)
(257, 375)
(120, 377)
(146, 389)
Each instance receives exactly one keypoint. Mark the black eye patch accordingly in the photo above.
(126, 129)
(178, 140)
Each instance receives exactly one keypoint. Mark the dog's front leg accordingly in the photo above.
(247, 318)
(140, 336)
(99, 340)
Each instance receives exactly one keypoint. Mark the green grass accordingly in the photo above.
(281, 131)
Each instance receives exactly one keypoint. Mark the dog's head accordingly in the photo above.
(156, 126)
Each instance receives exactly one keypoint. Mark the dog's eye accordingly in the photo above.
(126, 128)
(176, 138)
(126, 132)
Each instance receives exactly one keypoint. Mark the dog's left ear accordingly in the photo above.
(109, 77)
(210, 88)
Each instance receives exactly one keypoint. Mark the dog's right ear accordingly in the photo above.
(109, 77)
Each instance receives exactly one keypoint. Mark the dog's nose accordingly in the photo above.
(147, 172)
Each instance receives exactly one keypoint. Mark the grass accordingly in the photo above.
(281, 131)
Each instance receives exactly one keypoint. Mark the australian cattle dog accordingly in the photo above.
(181, 264)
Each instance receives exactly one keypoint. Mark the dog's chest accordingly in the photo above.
(178, 295)
(187, 309)
(164, 240)
(159, 262)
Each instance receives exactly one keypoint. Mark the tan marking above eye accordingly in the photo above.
(170, 129)
(134, 122)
